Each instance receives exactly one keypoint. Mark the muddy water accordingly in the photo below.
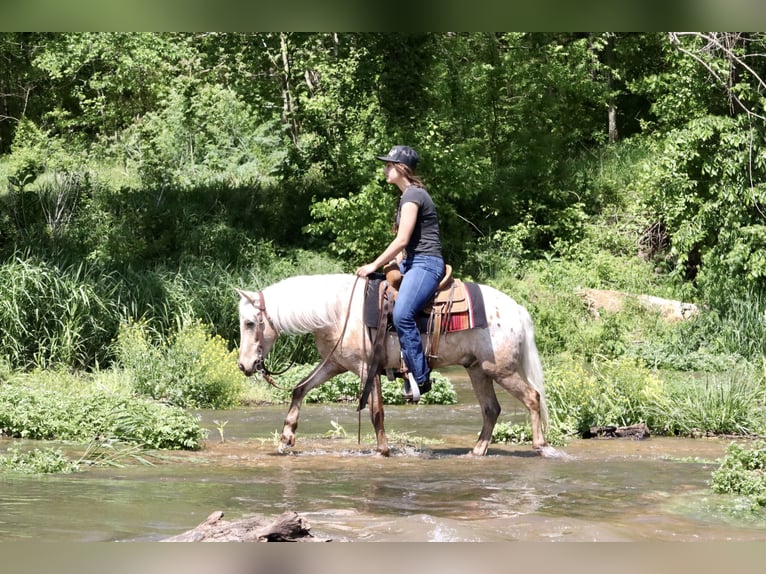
(603, 490)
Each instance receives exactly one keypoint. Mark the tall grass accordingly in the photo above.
(50, 315)
(731, 403)
(70, 315)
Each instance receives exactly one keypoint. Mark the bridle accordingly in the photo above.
(260, 361)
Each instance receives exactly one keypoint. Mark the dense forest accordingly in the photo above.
(144, 175)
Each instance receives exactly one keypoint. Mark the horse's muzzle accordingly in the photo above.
(257, 367)
(246, 370)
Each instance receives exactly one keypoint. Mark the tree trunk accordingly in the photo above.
(612, 113)
(287, 89)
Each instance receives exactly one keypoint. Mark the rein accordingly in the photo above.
(260, 363)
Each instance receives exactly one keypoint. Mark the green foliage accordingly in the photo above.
(442, 391)
(28, 159)
(52, 316)
(503, 251)
(392, 391)
(346, 388)
(45, 406)
(109, 78)
(341, 219)
(36, 461)
(552, 290)
(730, 403)
(204, 135)
(716, 340)
(624, 392)
(743, 472)
(703, 188)
(191, 370)
(512, 433)
(619, 392)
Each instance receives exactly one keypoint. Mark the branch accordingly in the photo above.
(674, 39)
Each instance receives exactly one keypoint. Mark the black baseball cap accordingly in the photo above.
(401, 154)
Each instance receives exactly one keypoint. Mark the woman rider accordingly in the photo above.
(417, 250)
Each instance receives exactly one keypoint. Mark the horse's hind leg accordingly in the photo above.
(529, 397)
(323, 372)
(490, 407)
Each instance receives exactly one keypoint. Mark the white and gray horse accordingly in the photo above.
(331, 307)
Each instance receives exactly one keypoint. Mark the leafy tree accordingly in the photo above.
(105, 80)
(705, 180)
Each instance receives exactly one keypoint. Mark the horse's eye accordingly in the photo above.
(249, 325)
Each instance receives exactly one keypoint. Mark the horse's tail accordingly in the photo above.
(533, 367)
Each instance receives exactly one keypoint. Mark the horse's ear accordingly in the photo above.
(249, 295)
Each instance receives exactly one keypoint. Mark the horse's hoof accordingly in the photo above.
(548, 451)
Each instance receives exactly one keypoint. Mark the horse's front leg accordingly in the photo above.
(321, 373)
(376, 414)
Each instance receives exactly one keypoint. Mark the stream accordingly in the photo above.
(429, 490)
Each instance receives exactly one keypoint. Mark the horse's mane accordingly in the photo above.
(305, 303)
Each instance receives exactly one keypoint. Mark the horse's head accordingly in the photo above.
(256, 331)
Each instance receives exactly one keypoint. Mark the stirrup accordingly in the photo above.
(414, 394)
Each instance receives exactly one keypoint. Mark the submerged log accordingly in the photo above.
(639, 432)
(287, 527)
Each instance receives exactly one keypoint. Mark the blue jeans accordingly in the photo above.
(421, 276)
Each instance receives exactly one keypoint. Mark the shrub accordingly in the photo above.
(442, 391)
(743, 472)
(728, 403)
(53, 316)
(616, 392)
(36, 461)
(512, 433)
(34, 408)
(346, 387)
(191, 370)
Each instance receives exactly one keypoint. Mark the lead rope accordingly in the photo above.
(360, 388)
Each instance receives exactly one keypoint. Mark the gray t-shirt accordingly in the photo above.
(425, 237)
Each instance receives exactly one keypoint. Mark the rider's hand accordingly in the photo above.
(366, 270)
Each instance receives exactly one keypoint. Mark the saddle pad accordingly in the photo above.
(474, 317)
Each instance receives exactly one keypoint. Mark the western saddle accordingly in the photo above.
(450, 298)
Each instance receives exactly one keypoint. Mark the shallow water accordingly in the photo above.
(603, 490)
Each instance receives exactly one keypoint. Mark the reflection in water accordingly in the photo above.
(656, 489)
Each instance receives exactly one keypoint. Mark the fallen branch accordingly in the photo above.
(287, 527)
(638, 432)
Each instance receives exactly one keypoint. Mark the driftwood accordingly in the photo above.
(287, 527)
(638, 432)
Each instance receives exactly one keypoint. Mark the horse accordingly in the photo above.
(331, 308)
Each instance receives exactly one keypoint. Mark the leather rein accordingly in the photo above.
(260, 362)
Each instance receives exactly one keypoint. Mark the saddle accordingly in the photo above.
(451, 297)
(456, 306)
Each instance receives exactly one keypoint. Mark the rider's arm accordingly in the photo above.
(407, 219)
